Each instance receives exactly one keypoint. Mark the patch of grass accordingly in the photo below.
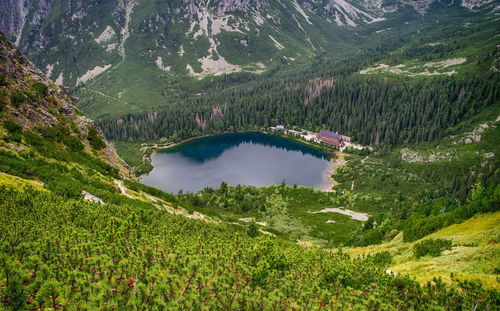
(16, 99)
(432, 247)
(18, 183)
(135, 156)
(41, 89)
(95, 139)
(474, 256)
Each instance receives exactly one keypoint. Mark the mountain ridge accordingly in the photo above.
(191, 38)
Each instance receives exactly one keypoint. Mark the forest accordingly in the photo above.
(370, 110)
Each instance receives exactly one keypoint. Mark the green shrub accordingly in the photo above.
(41, 89)
(3, 82)
(65, 187)
(12, 127)
(33, 138)
(433, 247)
(382, 259)
(95, 139)
(73, 143)
(252, 230)
(16, 99)
(55, 133)
(14, 137)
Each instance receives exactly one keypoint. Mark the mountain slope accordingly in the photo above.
(138, 56)
(474, 255)
(31, 102)
(74, 234)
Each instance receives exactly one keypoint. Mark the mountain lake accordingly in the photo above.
(239, 158)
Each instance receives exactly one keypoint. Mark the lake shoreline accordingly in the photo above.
(330, 183)
(326, 186)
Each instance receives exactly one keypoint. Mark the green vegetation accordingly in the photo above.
(432, 247)
(89, 256)
(16, 99)
(95, 139)
(14, 129)
(136, 156)
(41, 89)
(73, 143)
(286, 211)
(473, 256)
(75, 234)
(422, 188)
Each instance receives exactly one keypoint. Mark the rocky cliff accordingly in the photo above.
(31, 100)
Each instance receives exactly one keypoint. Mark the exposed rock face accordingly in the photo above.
(16, 14)
(111, 23)
(196, 38)
(13, 14)
(54, 108)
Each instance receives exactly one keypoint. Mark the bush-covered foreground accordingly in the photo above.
(432, 247)
(68, 254)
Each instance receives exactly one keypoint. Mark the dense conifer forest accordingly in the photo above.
(369, 109)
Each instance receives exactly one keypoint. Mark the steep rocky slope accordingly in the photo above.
(33, 102)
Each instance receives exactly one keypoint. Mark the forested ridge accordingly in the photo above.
(330, 92)
(369, 109)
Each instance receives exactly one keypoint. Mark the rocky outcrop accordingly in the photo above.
(15, 14)
(42, 103)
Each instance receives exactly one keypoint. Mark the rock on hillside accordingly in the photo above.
(31, 100)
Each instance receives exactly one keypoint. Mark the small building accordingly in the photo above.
(293, 132)
(277, 128)
(330, 138)
(346, 139)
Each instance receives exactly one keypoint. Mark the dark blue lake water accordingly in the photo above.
(243, 158)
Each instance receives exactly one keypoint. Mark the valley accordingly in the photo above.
(249, 155)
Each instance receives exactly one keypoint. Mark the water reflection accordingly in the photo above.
(242, 158)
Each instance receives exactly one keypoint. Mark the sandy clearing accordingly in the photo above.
(160, 65)
(50, 68)
(123, 189)
(259, 20)
(60, 79)
(302, 12)
(125, 32)
(92, 198)
(447, 62)
(250, 219)
(399, 69)
(354, 215)
(217, 67)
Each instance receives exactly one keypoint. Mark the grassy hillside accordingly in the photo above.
(474, 256)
